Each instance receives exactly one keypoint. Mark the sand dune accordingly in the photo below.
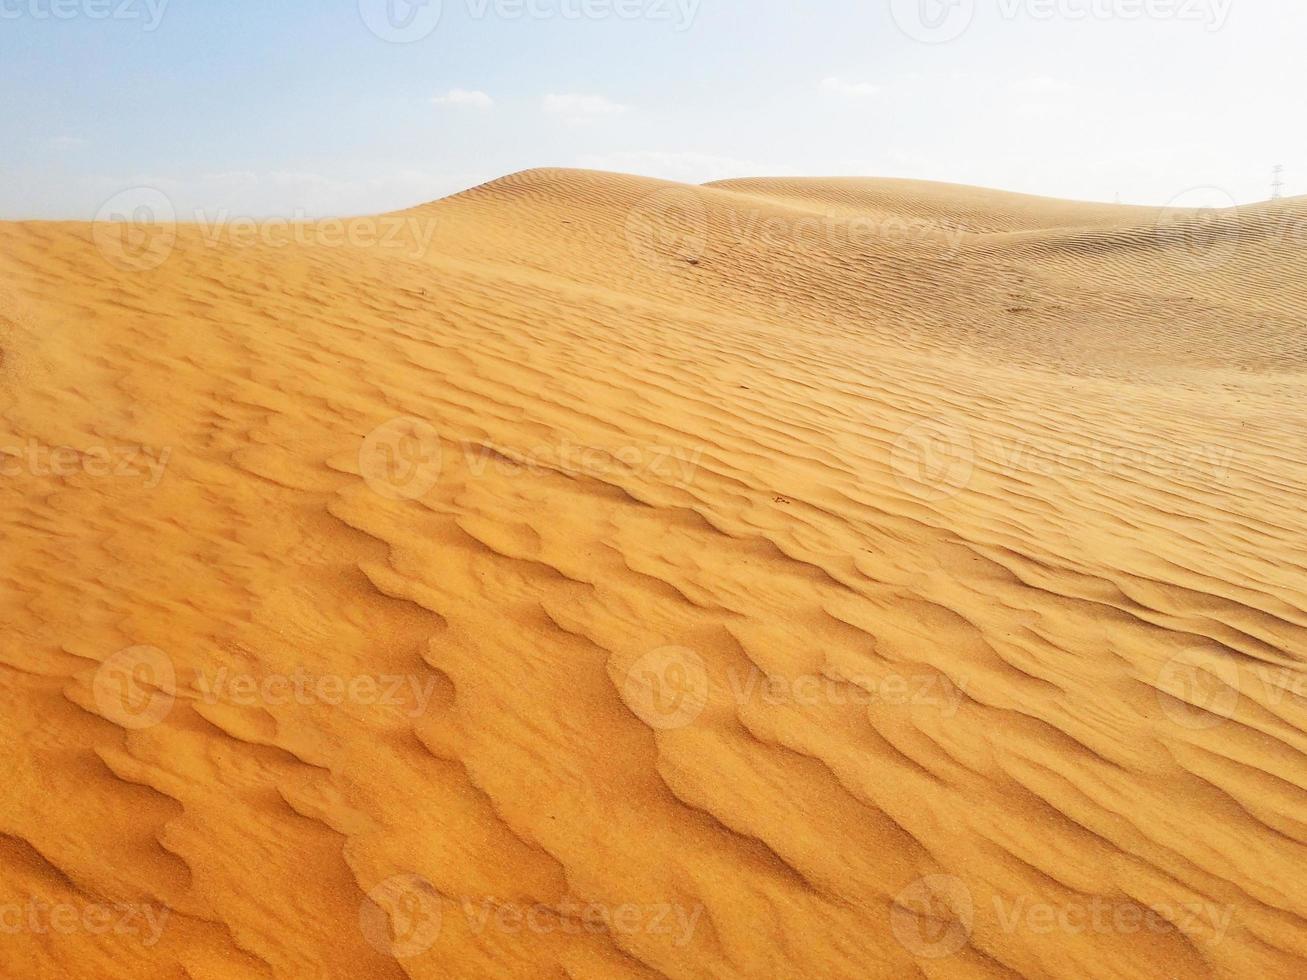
(590, 576)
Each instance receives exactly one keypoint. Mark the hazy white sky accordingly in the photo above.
(349, 106)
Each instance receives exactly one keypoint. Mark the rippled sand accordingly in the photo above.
(588, 576)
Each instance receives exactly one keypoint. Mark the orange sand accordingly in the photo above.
(588, 576)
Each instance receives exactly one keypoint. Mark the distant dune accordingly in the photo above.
(590, 576)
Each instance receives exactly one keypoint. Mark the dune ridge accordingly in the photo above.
(775, 578)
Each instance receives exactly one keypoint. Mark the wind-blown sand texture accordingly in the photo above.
(777, 578)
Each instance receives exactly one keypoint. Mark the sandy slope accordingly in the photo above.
(797, 579)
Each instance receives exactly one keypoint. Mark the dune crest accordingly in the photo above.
(595, 576)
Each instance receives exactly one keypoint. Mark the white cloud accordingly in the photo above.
(462, 96)
(580, 109)
(861, 90)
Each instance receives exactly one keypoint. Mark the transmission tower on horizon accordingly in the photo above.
(1277, 182)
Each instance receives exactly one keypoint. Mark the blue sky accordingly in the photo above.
(354, 106)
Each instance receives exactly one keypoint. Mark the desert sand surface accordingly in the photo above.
(589, 576)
